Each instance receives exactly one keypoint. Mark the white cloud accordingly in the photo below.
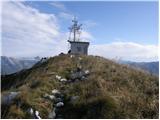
(65, 15)
(126, 51)
(58, 5)
(28, 32)
(86, 36)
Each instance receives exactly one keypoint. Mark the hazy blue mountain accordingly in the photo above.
(151, 67)
(11, 65)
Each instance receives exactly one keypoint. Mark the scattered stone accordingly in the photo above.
(32, 114)
(77, 75)
(71, 56)
(31, 111)
(52, 97)
(58, 77)
(60, 104)
(52, 114)
(55, 91)
(86, 72)
(63, 80)
(37, 115)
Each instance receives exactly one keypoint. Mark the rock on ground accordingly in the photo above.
(60, 104)
(52, 115)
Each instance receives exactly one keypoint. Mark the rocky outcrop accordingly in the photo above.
(79, 74)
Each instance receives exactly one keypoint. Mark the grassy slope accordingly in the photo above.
(110, 91)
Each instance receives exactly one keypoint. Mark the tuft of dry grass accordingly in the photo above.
(110, 91)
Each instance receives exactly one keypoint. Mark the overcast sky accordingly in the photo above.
(116, 30)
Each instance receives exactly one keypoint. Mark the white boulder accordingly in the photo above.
(86, 72)
(71, 56)
(63, 80)
(58, 77)
(60, 104)
(31, 111)
(37, 115)
(52, 97)
(55, 91)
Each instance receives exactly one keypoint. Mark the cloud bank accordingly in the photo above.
(126, 51)
(28, 32)
(58, 5)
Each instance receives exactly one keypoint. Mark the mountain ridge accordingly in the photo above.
(110, 90)
(11, 65)
(151, 67)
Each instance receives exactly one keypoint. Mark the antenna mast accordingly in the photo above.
(75, 28)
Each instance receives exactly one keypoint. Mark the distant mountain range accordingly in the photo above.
(151, 67)
(11, 65)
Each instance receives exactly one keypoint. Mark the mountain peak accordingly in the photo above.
(78, 86)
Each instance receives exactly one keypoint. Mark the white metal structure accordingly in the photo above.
(77, 46)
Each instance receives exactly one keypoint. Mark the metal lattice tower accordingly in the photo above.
(75, 30)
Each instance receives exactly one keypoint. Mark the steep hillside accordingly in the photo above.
(11, 65)
(68, 86)
(151, 67)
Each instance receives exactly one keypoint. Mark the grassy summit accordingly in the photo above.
(110, 90)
